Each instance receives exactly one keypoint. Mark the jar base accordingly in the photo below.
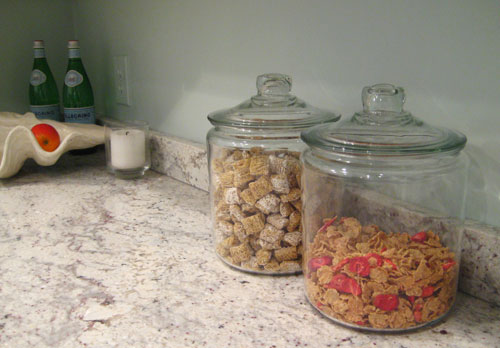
(257, 272)
(390, 330)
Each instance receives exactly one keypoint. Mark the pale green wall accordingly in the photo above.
(21, 22)
(188, 58)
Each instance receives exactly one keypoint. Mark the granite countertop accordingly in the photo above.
(87, 260)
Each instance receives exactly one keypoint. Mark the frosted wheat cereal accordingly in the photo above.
(286, 209)
(248, 196)
(260, 187)
(235, 213)
(249, 186)
(278, 221)
(226, 179)
(263, 256)
(286, 254)
(232, 196)
(241, 179)
(272, 266)
(268, 204)
(253, 224)
(280, 183)
(239, 232)
(294, 221)
(241, 253)
(290, 266)
(259, 165)
(248, 208)
(271, 234)
(226, 228)
(292, 238)
(291, 196)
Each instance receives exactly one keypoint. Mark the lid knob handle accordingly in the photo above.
(273, 90)
(274, 84)
(383, 97)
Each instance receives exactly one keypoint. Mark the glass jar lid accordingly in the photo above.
(272, 108)
(383, 128)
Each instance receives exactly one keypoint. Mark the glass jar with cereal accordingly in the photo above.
(383, 216)
(255, 178)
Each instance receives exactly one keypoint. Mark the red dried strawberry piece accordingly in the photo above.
(380, 259)
(319, 304)
(317, 262)
(343, 283)
(328, 223)
(391, 264)
(359, 265)
(411, 299)
(449, 264)
(420, 237)
(351, 286)
(427, 291)
(386, 302)
(337, 282)
(361, 322)
(383, 249)
(341, 264)
(419, 306)
(417, 315)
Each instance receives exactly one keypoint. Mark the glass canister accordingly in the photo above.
(255, 176)
(383, 207)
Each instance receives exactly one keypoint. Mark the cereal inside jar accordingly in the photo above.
(383, 203)
(255, 178)
(364, 276)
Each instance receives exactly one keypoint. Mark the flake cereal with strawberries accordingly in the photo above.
(366, 277)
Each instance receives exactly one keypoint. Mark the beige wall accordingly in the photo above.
(21, 22)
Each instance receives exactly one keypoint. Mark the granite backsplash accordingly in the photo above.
(186, 161)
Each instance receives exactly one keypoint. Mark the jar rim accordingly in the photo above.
(365, 142)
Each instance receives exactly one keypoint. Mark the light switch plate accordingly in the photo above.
(120, 71)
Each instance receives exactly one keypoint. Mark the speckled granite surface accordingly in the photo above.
(87, 260)
(180, 159)
(480, 268)
(480, 272)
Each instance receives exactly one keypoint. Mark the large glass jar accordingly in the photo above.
(255, 176)
(383, 205)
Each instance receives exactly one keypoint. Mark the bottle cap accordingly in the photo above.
(38, 44)
(73, 44)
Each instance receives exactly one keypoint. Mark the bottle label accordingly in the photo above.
(37, 77)
(48, 112)
(73, 78)
(39, 53)
(74, 53)
(79, 115)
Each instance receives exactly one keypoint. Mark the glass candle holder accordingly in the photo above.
(127, 148)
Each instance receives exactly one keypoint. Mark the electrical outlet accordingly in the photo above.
(120, 71)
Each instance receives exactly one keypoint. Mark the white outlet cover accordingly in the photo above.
(120, 72)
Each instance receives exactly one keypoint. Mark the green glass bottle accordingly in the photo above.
(44, 97)
(78, 98)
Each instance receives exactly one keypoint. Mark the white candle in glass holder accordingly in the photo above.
(128, 148)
